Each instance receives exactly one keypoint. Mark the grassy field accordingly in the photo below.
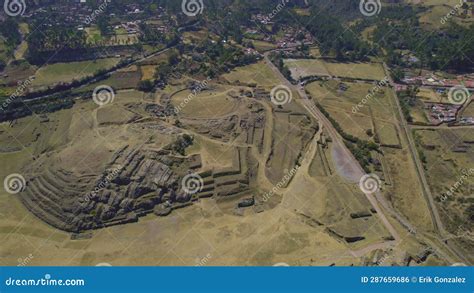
(157, 59)
(353, 124)
(212, 103)
(288, 141)
(20, 51)
(119, 37)
(301, 11)
(469, 111)
(198, 36)
(352, 99)
(148, 71)
(402, 186)
(66, 72)
(17, 72)
(308, 67)
(429, 95)
(438, 10)
(262, 46)
(367, 33)
(3, 50)
(419, 114)
(314, 52)
(258, 74)
(93, 35)
(388, 134)
(123, 39)
(125, 79)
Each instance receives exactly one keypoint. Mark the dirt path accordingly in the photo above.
(436, 219)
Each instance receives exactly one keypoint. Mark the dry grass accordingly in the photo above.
(66, 72)
(308, 67)
(257, 73)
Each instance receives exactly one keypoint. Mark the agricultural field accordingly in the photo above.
(122, 39)
(198, 36)
(319, 67)
(127, 78)
(66, 72)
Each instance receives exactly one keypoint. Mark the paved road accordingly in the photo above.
(343, 157)
(352, 170)
(436, 219)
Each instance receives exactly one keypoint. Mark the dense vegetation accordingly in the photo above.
(450, 49)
